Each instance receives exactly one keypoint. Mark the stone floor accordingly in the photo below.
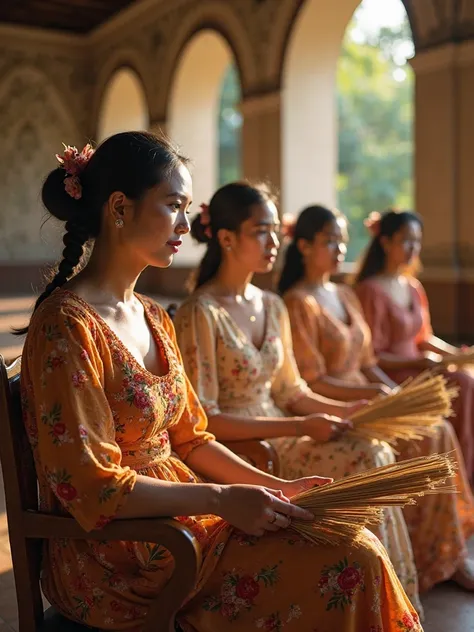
(447, 608)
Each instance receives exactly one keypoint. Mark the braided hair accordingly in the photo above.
(130, 162)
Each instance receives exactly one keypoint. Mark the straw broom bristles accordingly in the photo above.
(342, 509)
(411, 412)
(462, 359)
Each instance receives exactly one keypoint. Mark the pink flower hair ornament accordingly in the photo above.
(373, 223)
(288, 225)
(74, 162)
(205, 219)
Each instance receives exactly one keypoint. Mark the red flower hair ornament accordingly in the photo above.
(288, 225)
(205, 219)
(373, 223)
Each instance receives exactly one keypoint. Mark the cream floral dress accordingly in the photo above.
(230, 375)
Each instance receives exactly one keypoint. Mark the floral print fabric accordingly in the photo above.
(324, 345)
(400, 330)
(231, 376)
(438, 525)
(96, 419)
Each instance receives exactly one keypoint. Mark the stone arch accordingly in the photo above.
(286, 21)
(223, 19)
(124, 105)
(193, 112)
(308, 79)
(120, 59)
(35, 121)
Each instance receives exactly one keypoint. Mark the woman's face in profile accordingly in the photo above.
(328, 249)
(160, 219)
(255, 246)
(404, 247)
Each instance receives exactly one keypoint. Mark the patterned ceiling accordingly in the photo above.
(433, 22)
(73, 16)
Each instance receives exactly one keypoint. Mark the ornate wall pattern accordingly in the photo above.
(56, 89)
(35, 122)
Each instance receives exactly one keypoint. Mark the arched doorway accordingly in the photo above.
(195, 116)
(375, 107)
(124, 106)
(310, 169)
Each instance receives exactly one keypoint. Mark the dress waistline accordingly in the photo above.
(150, 452)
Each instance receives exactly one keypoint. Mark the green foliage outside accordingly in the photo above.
(375, 128)
(230, 124)
(375, 111)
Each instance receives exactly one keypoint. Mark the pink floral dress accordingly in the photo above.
(399, 331)
(96, 418)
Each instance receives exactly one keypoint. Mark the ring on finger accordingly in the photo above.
(281, 520)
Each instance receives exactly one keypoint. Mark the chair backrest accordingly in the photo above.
(21, 491)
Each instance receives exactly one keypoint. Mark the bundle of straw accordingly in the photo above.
(461, 359)
(344, 508)
(411, 412)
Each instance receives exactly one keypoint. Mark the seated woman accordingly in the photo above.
(236, 346)
(333, 351)
(117, 432)
(396, 309)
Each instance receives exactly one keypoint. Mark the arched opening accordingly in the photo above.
(375, 104)
(196, 117)
(311, 73)
(124, 106)
(230, 128)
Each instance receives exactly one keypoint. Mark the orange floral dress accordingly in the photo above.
(438, 525)
(95, 418)
(230, 375)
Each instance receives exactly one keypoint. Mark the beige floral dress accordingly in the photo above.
(230, 375)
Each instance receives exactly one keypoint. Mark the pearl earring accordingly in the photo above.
(119, 222)
(228, 248)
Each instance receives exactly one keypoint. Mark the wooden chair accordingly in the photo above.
(28, 527)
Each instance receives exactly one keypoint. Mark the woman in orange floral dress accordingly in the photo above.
(333, 350)
(117, 431)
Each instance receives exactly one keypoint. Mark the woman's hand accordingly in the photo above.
(352, 407)
(254, 509)
(292, 488)
(323, 428)
(428, 360)
(377, 389)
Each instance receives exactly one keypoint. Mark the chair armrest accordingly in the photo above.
(173, 535)
(259, 452)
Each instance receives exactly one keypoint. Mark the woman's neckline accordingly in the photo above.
(349, 324)
(231, 319)
(155, 332)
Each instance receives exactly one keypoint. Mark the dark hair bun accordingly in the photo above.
(198, 231)
(55, 198)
